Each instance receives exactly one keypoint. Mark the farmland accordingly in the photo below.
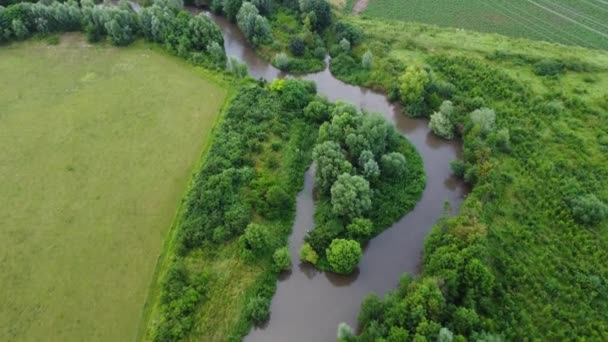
(569, 22)
(98, 147)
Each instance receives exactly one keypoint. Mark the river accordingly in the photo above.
(309, 304)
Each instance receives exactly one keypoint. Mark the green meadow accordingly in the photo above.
(98, 147)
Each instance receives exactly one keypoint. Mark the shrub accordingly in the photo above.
(255, 27)
(350, 196)
(308, 254)
(297, 46)
(237, 68)
(441, 121)
(588, 209)
(278, 202)
(503, 140)
(264, 6)
(258, 309)
(393, 164)
(19, 29)
(256, 238)
(345, 332)
(345, 45)
(331, 163)
(347, 31)
(320, 52)
(322, 12)
(367, 60)
(413, 84)
(548, 67)
(281, 260)
(281, 61)
(317, 111)
(231, 8)
(343, 255)
(360, 229)
(485, 118)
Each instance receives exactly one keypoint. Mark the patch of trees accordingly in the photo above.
(195, 38)
(244, 195)
(366, 176)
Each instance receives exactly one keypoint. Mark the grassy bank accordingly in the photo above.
(574, 23)
(523, 258)
(218, 275)
(99, 154)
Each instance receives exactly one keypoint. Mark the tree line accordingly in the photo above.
(195, 38)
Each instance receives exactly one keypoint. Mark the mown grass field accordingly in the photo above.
(98, 145)
(581, 22)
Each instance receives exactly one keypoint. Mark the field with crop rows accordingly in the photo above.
(572, 22)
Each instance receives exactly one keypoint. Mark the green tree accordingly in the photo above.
(281, 259)
(255, 27)
(330, 163)
(343, 255)
(350, 196)
(231, 8)
(588, 209)
(367, 60)
(256, 238)
(258, 309)
(441, 121)
(281, 60)
(308, 254)
(368, 165)
(393, 164)
(485, 119)
(360, 229)
(413, 84)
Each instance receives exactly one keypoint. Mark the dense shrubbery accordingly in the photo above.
(537, 177)
(367, 176)
(196, 38)
(244, 194)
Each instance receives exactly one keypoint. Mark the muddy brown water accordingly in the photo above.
(309, 304)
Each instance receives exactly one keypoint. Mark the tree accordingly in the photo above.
(330, 163)
(345, 333)
(367, 60)
(231, 8)
(264, 6)
(308, 254)
(372, 309)
(281, 61)
(278, 202)
(343, 255)
(316, 111)
(345, 45)
(413, 84)
(255, 27)
(256, 238)
(322, 12)
(441, 121)
(588, 209)
(485, 118)
(360, 229)
(368, 165)
(393, 164)
(297, 46)
(19, 29)
(445, 335)
(281, 259)
(350, 196)
(258, 309)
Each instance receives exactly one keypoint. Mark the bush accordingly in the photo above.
(345, 45)
(367, 60)
(281, 61)
(589, 210)
(548, 67)
(297, 46)
(308, 254)
(345, 333)
(343, 255)
(413, 84)
(360, 229)
(441, 121)
(281, 260)
(485, 118)
(350, 196)
(278, 202)
(256, 238)
(393, 164)
(255, 27)
(258, 309)
(231, 8)
(317, 111)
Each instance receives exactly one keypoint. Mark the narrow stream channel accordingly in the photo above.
(308, 304)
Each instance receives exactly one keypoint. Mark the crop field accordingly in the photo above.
(98, 145)
(572, 22)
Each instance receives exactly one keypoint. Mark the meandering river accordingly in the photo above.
(308, 304)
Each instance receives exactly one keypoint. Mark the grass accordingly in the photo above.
(99, 143)
(549, 270)
(582, 22)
